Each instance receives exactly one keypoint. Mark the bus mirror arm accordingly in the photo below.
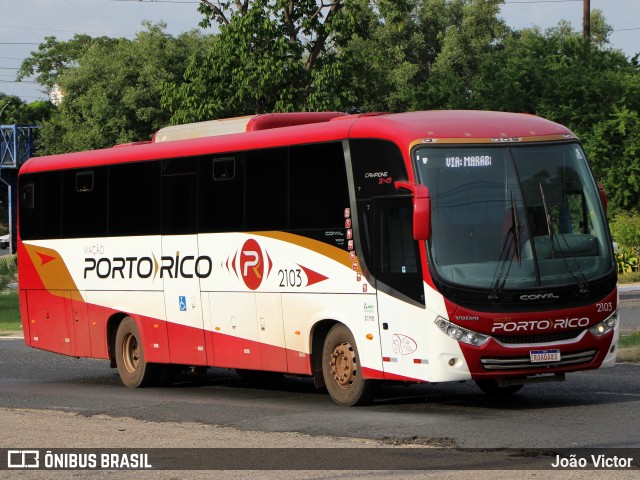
(421, 209)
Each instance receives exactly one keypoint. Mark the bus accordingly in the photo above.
(424, 247)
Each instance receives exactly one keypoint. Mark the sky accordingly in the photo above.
(25, 23)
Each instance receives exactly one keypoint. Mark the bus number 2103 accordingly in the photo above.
(605, 307)
(290, 278)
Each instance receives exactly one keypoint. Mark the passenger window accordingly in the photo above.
(318, 186)
(84, 203)
(40, 205)
(180, 196)
(266, 184)
(221, 194)
(134, 191)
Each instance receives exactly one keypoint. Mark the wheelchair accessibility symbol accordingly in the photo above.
(183, 303)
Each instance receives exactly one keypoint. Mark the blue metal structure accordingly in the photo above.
(16, 147)
(16, 144)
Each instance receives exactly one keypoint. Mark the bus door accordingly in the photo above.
(182, 299)
(181, 266)
(399, 284)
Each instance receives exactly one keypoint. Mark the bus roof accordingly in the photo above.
(444, 126)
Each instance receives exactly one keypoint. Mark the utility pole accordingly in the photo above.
(586, 20)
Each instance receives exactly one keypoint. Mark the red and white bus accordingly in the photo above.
(417, 247)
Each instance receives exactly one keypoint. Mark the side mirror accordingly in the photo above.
(421, 209)
(603, 196)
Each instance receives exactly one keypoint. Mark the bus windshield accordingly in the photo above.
(514, 217)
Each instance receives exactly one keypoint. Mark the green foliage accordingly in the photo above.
(250, 68)
(277, 55)
(9, 311)
(629, 351)
(112, 93)
(632, 340)
(625, 228)
(8, 270)
(629, 348)
(14, 110)
(633, 277)
(613, 145)
(627, 260)
(53, 57)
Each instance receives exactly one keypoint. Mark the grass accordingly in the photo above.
(9, 312)
(629, 349)
(631, 277)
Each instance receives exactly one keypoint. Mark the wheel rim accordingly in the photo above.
(130, 353)
(343, 365)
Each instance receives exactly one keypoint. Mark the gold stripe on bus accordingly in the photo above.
(493, 141)
(53, 271)
(335, 253)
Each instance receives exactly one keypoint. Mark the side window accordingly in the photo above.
(221, 194)
(180, 196)
(134, 193)
(266, 189)
(318, 187)
(84, 203)
(397, 259)
(377, 165)
(40, 205)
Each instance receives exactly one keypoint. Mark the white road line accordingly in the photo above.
(618, 393)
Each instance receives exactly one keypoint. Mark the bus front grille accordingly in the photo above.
(521, 363)
(543, 338)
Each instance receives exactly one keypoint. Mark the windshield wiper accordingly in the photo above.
(516, 225)
(510, 249)
(582, 283)
(548, 219)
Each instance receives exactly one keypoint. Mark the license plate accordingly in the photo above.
(542, 356)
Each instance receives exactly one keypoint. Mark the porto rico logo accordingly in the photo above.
(252, 264)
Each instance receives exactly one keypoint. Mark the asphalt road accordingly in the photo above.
(629, 309)
(591, 409)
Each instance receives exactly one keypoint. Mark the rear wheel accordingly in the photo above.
(490, 387)
(133, 369)
(342, 371)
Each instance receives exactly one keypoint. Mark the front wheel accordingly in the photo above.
(133, 369)
(342, 371)
(490, 387)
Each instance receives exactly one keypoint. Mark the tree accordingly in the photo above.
(613, 146)
(625, 228)
(112, 90)
(459, 37)
(423, 58)
(14, 110)
(53, 57)
(274, 55)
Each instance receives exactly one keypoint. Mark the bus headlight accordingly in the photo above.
(606, 325)
(461, 334)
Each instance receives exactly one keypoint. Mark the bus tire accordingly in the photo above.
(490, 387)
(133, 369)
(342, 371)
